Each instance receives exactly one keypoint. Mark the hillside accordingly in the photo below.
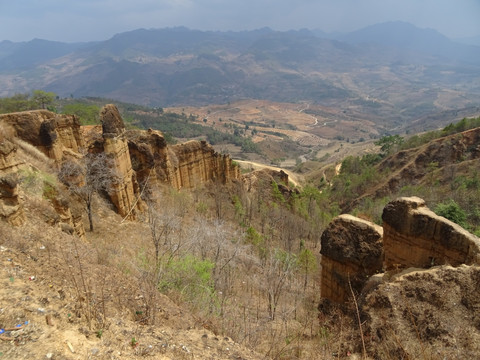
(391, 77)
(439, 166)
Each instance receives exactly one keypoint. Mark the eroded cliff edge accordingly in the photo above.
(414, 282)
(138, 158)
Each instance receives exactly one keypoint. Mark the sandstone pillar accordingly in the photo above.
(351, 252)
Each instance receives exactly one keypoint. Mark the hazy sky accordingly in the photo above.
(84, 20)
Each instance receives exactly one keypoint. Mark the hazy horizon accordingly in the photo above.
(94, 20)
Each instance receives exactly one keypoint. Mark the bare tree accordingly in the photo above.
(278, 271)
(162, 228)
(84, 178)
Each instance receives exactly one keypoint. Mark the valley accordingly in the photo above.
(187, 247)
(183, 194)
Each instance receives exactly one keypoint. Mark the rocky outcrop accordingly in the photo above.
(196, 162)
(70, 218)
(56, 135)
(124, 192)
(11, 207)
(137, 157)
(351, 252)
(414, 236)
(181, 166)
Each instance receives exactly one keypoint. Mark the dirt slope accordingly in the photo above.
(42, 277)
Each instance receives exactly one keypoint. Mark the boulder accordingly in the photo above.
(112, 122)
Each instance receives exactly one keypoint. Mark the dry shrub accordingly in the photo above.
(34, 156)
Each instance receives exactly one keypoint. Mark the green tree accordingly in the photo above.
(88, 114)
(452, 211)
(18, 102)
(43, 99)
(388, 143)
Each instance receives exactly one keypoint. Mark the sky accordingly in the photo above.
(89, 20)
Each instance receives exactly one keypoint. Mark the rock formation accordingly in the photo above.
(11, 207)
(196, 162)
(115, 145)
(351, 252)
(70, 219)
(415, 236)
(181, 166)
(54, 134)
(142, 157)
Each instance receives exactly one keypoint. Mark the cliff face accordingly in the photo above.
(351, 252)
(143, 157)
(115, 145)
(137, 157)
(414, 236)
(11, 207)
(196, 162)
(54, 134)
(181, 166)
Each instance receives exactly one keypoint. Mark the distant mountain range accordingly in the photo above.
(392, 70)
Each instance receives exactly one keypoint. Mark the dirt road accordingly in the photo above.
(295, 179)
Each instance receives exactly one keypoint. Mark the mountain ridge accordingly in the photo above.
(396, 84)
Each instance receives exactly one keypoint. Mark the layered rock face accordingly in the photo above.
(351, 252)
(181, 166)
(70, 219)
(414, 236)
(143, 157)
(55, 134)
(115, 145)
(196, 162)
(11, 207)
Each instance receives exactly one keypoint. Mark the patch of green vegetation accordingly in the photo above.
(276, 193)
(253, 237)
(452, 211)
(418, 140)
(191, 276)
(39, 183)
(88, 114)
(38, 99)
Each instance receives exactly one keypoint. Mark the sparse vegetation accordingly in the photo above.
(87, 178)
(38, 99)
(244, 263)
